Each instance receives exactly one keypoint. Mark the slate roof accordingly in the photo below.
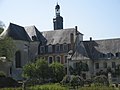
(29, 33)
(97, 49)
(34, 34)
(80, 52)
(16, 32)
(59, 36)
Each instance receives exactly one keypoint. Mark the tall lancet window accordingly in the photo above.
(18, 59)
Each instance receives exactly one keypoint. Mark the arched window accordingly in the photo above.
(50, 60)
(18, 59)
(58, 59)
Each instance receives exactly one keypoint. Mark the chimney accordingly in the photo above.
(72, 40)
(90, 38)
(76, 30)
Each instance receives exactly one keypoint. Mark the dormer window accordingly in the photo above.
(61, 47)
(50, 49)
(117, 54)
(109, 55)
(57, 48)
(102, 56)
(65, 47)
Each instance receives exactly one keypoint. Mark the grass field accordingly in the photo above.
(59, 87)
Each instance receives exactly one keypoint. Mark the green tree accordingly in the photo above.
(42, 69)
(80, 66)
(7, 48)
(29, 70)
(57, 71)
(38, 69)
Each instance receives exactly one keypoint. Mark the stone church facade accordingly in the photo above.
(54, 46)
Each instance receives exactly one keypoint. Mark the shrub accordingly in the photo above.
(32, 82)
(73, 81)
(76, 81)
(100, 80)
(88, 81)
(65, 80)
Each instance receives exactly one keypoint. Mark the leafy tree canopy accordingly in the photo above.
(39, 70)
(7, 48)
(57, 71)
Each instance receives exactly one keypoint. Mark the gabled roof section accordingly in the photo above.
(59, 36)
(34, 34)
(16, 32)
(97, 49)
(80, 52)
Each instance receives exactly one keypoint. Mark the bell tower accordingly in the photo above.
(58, 20)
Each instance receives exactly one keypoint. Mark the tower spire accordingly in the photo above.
(58, 20)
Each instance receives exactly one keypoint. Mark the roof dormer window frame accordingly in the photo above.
(50, 49)
(57, 47)
(65, 47)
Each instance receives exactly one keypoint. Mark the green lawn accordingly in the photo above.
(59, 87)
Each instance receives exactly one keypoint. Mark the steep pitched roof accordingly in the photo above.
(16, 32)
(34, 34)
(80, 52)
(59, 36)
(98, 49)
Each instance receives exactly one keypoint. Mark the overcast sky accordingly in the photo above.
(99, 19)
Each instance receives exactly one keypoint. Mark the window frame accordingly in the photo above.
(56, 59)
(49, 59)
(65, 47)
(50, 49)
(18, 63)
(57, 48)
